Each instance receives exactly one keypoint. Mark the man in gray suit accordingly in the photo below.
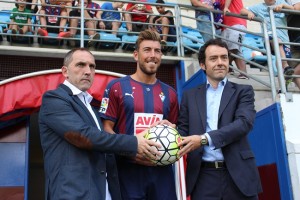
(78, 158)
(216, 118)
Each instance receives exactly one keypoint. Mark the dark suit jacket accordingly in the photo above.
(77, 170)
(236, 118)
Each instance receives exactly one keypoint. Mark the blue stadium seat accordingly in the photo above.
(128, 42)
(20, 39)
(195, 42)
(51, 41)
(1, 32)
(257, 42)
(4, 18)
(114, 41)
(77, 41)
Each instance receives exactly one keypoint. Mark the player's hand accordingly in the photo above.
(163, 122)
(189, 144)
(141, 160)
(145, 147)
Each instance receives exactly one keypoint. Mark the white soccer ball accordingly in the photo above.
(169, 138)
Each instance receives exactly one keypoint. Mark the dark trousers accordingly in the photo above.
(216, 184)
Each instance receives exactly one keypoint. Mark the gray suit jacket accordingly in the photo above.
(236, 118)
(77, 170)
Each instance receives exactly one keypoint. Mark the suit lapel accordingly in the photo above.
(201, 104)
(226, 96)
(80, 104)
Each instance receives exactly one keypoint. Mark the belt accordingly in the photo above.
(213, 165)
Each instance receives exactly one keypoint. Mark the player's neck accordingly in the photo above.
(143, 78)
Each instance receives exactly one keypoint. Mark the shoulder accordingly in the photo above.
(164, 85)
(240, 87)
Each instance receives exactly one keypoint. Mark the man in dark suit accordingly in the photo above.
(216, 118)
(77, 152)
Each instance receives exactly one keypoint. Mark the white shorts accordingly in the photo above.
(235, 36)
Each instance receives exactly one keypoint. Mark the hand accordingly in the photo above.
(278, 8)
(139, 159)
(251, 15)
(226, 10)
(145, 147)
(189, 144)
(165, 122)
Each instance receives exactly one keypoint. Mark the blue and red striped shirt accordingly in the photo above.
(134, 106)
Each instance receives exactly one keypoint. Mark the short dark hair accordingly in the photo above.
(216, 42)
(69, 56)
(160, 1)
(147, 35)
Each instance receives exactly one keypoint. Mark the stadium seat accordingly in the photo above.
(128, 42)
(192, 39)
(249, 54)
(1, 32)
(114, 41)
(19, 38)
(4, 18)
(51, 41)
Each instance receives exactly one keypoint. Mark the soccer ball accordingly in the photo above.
(168, 137)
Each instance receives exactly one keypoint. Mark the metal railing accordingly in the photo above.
(180, 48)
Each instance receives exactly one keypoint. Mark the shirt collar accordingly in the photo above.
(78, 92)
(221, 83)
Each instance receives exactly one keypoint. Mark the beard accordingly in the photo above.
(147, 71)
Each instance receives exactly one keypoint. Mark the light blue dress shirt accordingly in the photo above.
(213, 100)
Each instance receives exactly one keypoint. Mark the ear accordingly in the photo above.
(202, 65)
(135, 55)
(64, 71)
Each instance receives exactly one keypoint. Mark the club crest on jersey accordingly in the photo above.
(162, 96)
(144, 120)
(104, 105)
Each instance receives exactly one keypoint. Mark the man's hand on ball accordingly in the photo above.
(189, 144)
(163, 122)
(145, 147)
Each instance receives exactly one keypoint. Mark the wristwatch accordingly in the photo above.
(203, 140)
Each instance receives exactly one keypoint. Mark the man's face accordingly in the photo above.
(270, 2)
(148, 56)
(81, 70)
(85, 3)
(216, 63)
(160, 9)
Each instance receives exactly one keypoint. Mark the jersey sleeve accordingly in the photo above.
(174, 107)
(110, 102)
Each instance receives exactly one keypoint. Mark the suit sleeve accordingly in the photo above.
(237, 120)
(64, 117)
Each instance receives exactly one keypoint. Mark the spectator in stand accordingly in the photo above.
(90, 14)
(163, 24)
(234, 6)
(139, 14)
(20, 15)
(58, 18)
(109, 11)
(203, 15)
(261, 10)
(293, 21)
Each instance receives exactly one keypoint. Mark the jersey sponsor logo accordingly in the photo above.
(143, 121)
(104, 105)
